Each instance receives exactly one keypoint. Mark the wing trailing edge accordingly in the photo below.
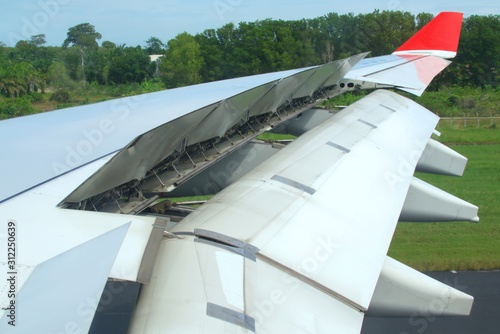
(306, 196)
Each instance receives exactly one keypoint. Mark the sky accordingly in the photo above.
(133, 22)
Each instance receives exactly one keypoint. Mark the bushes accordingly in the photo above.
(457, 101)
(135, 88)
(61, 95)
(15, 107)
(34, 97)
(445, 102)
(345, 99)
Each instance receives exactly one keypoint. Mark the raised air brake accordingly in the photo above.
(160, 160)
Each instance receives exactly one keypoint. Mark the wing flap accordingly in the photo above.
(216, 289)
(323, 196)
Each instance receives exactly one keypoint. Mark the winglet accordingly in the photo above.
(439, 37)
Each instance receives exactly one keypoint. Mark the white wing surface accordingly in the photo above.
(72, 296)
(311, 225)
(410, 73)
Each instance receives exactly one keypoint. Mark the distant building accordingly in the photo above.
(155, 58)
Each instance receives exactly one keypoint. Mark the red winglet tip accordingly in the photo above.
(439, 35)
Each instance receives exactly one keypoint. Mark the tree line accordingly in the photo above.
(238, 50)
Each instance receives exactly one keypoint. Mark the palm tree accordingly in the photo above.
(19, 79)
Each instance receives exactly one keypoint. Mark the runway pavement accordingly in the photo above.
(484, 286)
(118, 300)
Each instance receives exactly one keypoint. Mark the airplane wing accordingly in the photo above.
(297, 245)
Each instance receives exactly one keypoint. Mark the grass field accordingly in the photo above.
(460, 245)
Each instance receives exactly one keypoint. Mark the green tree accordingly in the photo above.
(479, 49)
(129, 65)
(263, 46)
(72, 62)
(85, 37)
(306, 35)
(250, 48)
(18, 79)
(38, 40)
(385, 31)
(25, 51)
(108, 45)
(325, 37)
(95, 66)
(107, 51)
(154, 46)
(213, 55)
(32, 51)
(182, 63)
(227, 37)
(57, 76)
(423, 19)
